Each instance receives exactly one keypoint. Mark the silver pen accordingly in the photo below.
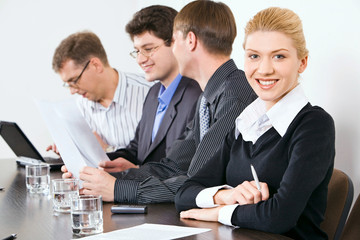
(11, 237)
(255, 177)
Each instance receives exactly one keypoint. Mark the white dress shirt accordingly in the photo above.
(117, 123)
(252, 123)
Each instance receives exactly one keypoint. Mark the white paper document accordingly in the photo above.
(149, 231)
(72, 135)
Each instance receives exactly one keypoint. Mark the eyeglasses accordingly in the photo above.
(147, 52)
(72, 83)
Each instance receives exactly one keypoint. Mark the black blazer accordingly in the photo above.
(179, 113)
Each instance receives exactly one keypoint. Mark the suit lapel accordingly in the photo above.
(169, 116)
(149, 123)
(197, 122)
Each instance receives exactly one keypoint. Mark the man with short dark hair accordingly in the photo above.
(226, 94)
(170, 104)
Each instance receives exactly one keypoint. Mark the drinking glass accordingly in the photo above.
(62, 191)
(37, 178)
(86, 215)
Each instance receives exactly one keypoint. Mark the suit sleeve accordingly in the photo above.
(158, 182)
(130, 152)
(212, 174)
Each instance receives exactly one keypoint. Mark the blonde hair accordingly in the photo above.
(280, 20)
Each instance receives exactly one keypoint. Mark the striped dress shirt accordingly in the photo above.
(228, 94)
(117, 123)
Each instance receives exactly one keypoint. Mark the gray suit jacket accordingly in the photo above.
(179, 113)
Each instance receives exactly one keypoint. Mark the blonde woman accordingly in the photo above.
(289, 142)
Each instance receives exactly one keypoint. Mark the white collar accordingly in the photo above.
(119, 95)
(280, 115)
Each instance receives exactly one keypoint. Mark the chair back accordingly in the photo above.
(339, 200)
(352, 225)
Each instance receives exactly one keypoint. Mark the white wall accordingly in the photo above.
(31, 30)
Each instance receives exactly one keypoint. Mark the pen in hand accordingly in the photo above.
(12, 236)
(255, 177)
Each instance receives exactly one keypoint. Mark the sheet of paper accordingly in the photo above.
(149, 232)
(72, 135)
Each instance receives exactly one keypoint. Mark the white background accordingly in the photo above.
(31, 30)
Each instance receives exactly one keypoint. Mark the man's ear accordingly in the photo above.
(192, 41)
(96, 62)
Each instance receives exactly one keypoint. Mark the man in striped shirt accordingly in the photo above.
(111, 101)
(204, 32)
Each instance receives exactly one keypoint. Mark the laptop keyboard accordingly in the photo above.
(52, 160)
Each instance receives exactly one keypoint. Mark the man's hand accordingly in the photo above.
(204, 214)
(117, 165)
(245, 193)
(53, 148)
(66, 174)
(97, 182)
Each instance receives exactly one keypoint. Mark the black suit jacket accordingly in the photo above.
(228, 93)
(179, 113)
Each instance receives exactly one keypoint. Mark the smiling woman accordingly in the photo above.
(275, 53)
(272, 65)
(290, 143)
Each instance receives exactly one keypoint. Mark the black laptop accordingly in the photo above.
(22, 147)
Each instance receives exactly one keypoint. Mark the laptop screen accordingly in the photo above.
(17, 141)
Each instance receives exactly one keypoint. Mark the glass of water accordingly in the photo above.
(86, 215)
(37, 178)
(62, 191)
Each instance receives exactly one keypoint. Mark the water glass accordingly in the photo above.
(62, 191)
(37, 178)
(86, 215)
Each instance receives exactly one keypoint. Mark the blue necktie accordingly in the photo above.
(204, 117)
(158, 119)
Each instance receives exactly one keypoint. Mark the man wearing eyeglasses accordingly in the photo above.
(170, 104)
(111, 101)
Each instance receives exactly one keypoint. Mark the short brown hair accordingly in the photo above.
(212, 22)
(156, 19)
(280, 20)
(79, 47)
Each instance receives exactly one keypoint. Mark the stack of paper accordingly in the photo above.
(72, 135)
(149, 232)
